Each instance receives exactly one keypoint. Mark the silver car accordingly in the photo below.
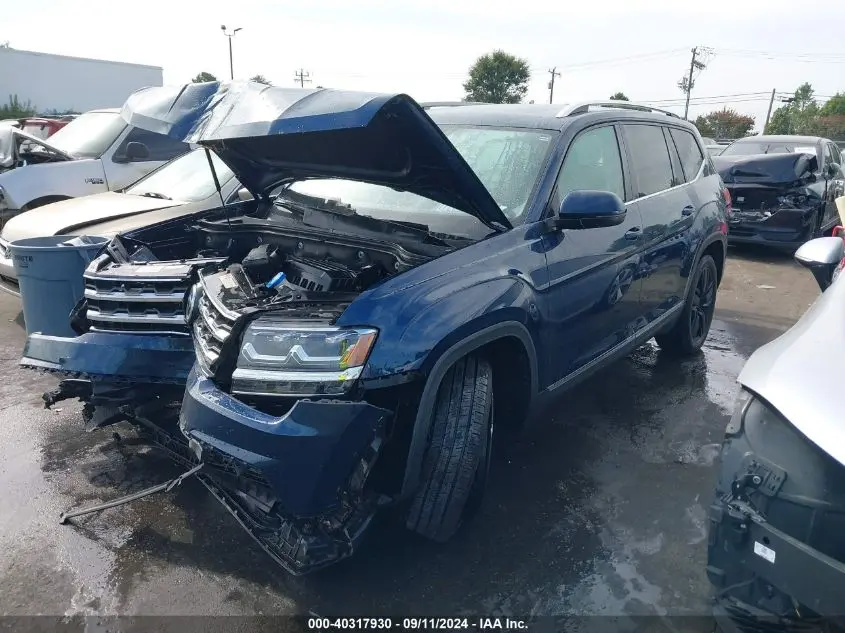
(777, 524)
(180, 187)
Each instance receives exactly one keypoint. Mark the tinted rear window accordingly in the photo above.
(649, 159)
(689, 151)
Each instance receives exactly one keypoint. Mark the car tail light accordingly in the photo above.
(728, 202)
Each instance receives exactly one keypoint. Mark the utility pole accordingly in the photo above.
(689, 80)
(301, 76)
(769, 113)
(554, 74)
(230, 36)
(788, 100)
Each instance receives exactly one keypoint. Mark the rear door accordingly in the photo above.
(593, 294)
(122, 171)
(667, 209)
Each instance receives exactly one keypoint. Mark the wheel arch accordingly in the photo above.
(42, 201)
(715, 245)
(492, 337)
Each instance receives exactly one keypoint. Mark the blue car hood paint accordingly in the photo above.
(269, 135)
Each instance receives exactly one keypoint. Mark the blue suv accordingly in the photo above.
(404, 280)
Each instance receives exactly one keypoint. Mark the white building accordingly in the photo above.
(60, 83)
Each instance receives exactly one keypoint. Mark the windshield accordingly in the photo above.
(507, 161)
(89, 135)
(762, 147)
(187, 178)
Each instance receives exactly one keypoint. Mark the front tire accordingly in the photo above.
(690, 330)
(456, 463)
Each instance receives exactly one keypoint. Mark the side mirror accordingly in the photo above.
(588, 209)
(137, 151)
(832, 169)
(244, 195)
(821, 256)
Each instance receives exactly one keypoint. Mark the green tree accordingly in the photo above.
(16, 109)
(724, 123)
(261, 79)
(497, 77)
(798, 116)
(834, 105)
(831, 126)
(203, 77)
(619, 96)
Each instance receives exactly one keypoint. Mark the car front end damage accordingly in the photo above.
(221, 335)
(774, 200)
(776, 552)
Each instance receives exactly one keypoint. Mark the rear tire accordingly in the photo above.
(458, 457)
(690, 330)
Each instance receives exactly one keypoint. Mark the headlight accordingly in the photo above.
(288, 359)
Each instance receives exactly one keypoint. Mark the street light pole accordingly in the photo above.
(230, 36)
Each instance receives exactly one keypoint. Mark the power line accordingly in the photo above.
(837, 57)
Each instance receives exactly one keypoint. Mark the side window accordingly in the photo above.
(834, 155)
(649, 159)
(592, 162)
(160, 147)
(689, 151)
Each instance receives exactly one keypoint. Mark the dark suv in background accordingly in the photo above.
(403, 280)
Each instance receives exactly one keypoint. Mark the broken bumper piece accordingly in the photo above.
(111, 356)
(295, 482)
(781, 228)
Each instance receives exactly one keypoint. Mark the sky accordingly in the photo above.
(424, 48)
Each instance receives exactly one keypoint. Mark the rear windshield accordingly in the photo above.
(747, 148)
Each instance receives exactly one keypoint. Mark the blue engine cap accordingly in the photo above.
(275, 281)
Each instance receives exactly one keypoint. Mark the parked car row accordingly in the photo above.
(331, 305)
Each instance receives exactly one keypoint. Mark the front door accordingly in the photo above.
(593, 295)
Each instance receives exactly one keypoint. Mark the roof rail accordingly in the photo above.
(449, 104)
(581, 108)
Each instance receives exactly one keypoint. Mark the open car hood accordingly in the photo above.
(765, 168)
(11, 136)
(269, 135)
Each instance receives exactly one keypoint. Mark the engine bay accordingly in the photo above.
(266, 277)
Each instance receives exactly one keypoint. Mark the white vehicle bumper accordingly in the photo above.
(8, 278)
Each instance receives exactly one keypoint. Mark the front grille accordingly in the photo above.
(211, 330)
(153, 305)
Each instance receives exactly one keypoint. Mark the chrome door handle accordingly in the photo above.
(688, 210)
(633, 233)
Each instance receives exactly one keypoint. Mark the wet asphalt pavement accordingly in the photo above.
(601, 511)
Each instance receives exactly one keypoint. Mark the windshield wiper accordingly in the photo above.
(158, 196)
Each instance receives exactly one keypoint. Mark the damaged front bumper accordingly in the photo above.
(296, 481)
(783, 228)
(776, 552)
(114, 357)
